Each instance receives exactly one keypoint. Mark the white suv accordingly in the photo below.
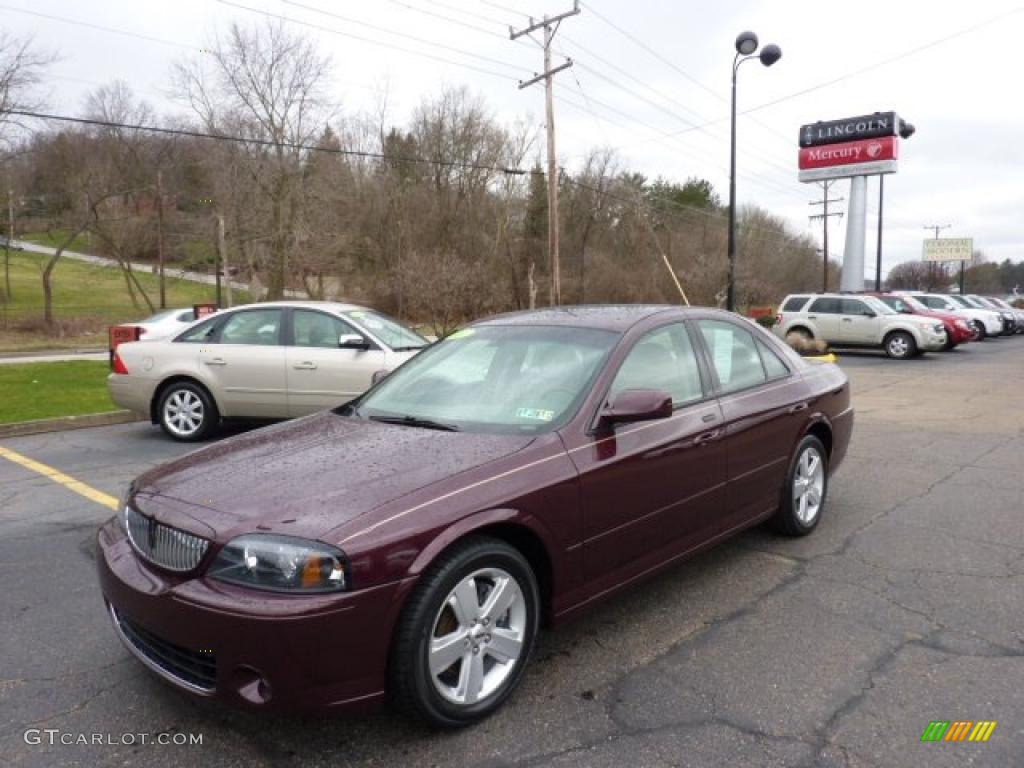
(848, 320)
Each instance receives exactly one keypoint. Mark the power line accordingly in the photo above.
(366, 154)
(382, 43)
(100, 27)
(385, 30)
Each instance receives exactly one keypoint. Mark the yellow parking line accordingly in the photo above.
(59, 477)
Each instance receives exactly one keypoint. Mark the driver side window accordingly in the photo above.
(316, 329)
(662, 359)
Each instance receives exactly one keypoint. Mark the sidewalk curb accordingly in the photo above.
(53, 353)
(63, 423)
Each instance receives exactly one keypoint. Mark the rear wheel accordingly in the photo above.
(187, 412)
(900, 345)
(803, 495)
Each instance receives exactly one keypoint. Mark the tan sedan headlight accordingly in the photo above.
(280, 564)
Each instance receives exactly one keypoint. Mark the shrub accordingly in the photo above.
(767, 321)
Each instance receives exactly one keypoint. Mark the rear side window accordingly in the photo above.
(201, 333)
(733, 354)
(826, 306)
(255, 326)
(773, 365)
(794, 303)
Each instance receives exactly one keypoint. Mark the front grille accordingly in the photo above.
(165, 546)
(190, 669)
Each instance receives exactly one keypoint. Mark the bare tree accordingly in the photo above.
(265, 84)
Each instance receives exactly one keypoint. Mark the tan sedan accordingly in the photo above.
(265, 361)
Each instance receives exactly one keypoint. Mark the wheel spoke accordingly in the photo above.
(445, 651)
(499, 600)
(814, 495)
(471, 678)
(505, 645)
(812, 464)
(464, 602)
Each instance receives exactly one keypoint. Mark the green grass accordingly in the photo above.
(47, 390)
(86, 299)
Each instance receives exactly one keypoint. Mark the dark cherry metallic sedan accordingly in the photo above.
(409, 544)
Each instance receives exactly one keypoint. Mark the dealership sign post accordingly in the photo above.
(853, 148)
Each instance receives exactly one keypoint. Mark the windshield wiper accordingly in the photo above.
(415, 421)
(408, 347)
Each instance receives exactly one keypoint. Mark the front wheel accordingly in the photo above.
(466, 635)
(803, 496)
(979, 330)
(900, 345)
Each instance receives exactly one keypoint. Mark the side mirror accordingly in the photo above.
(352, 341)
(868, 313)
(379, 376)
(637, 405)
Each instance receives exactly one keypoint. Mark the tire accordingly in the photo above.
(900, 345)
(798, 515)
(441, 695)
(979, 328)
(802, 332)
(186, 412)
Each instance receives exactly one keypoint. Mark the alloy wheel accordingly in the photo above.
(183, 413)
(808, 485)
(478, 636)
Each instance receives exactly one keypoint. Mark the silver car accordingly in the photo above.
(260, 361)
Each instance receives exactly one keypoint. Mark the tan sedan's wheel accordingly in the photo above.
(187, 412)
(803, 496)
(466, 634)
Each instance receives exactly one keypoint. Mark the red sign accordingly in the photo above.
(121, 334)
(849, 153)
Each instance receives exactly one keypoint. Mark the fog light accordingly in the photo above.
(251, 685)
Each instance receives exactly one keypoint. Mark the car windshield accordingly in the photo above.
(962, 301)
(982, 302)
(897, 303)
(390, 331)
(506, 379)
(878, 305)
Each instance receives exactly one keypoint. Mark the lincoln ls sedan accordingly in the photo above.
(408, 545)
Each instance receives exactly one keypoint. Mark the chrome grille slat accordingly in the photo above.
(162, 545)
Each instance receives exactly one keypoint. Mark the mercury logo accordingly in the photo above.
(874, 149)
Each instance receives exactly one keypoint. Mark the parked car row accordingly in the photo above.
(902, 323)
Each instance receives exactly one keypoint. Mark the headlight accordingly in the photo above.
(280, 563)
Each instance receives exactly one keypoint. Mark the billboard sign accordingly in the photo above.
(849, 129)
(949, 249)
(849, 153)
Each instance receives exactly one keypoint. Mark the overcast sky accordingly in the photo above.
(647, 72)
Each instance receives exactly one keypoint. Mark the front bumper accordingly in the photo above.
(932, 341)
(249, 648)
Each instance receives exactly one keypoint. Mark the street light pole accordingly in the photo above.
(746, 45)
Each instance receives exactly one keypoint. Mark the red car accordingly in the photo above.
(958, 329)
(410, 543)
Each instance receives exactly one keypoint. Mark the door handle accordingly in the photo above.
(706, 437)
(798, 407)
(306, 365)
(216, 361)
(707, 417)
(847, 319)
(812, 317)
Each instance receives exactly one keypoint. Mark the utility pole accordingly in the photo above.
(7, 247)
(160, 237)
(931, 267)
(222, 261)
(824, 219)
(550, 25)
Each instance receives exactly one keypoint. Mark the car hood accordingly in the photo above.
(308, 476)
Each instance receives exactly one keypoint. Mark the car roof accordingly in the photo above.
(337, 306)
(609, 317)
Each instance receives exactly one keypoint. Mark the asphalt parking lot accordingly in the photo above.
(906, 606)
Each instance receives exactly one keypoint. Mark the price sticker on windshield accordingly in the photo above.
(535, 414)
